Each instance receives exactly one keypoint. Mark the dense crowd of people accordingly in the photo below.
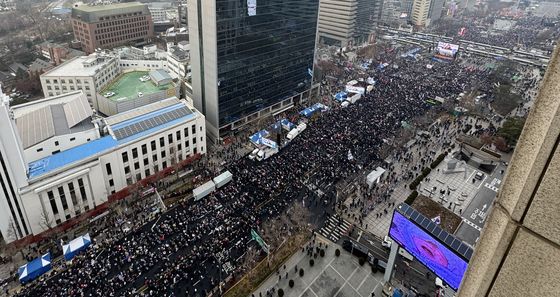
(526, 33)
(183, 251)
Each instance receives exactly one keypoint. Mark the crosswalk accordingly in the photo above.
(472, 224)
(335, 228)
(493, 185)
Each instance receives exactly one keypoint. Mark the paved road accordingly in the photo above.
(474, 216)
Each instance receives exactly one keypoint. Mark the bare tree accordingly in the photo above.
(47, 221)
(12, 231)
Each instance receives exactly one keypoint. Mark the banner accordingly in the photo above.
(252, 7)
(269, 143)
(353, 89)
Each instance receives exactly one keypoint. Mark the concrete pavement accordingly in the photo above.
(330, 276)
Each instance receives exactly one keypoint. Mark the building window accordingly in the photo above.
(164, 164)
(56, 143)
(52, 202)
(111, 183)
(144, 149)
(154, 158)
(162, 154)
(161, 142)
(126, 169)
(129, 181)
(194, 140)
(178, 134)
(186, 132)
(179, 146)
(39, 150)
(62, 198)
(134, 153)
(72, 138)
(125, 157)
(170, 138)
(193, 129)
(82, 189)
(56, 152)
(108, 168)
(186, 144)
(147, 172)
(138, 176)
(136, 165)
(194, 150)
(72, 194)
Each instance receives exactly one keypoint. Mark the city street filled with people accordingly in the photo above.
(183, 251)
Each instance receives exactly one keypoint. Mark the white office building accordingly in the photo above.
(59, 161)
(178, 59)
(162, 12)
(93, 73)
(87, 73)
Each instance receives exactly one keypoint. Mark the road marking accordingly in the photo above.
(491, 187)
(482, 181)
(345, 279)
(470, 177)
(472, 224)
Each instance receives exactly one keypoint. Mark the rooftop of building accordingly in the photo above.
(39, 65)
(123, 128)
(180, 52)
(40, 120)
(80, 66)
(104, 7)
(127, 86)
(95, 13)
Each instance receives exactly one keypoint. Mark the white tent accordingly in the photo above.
(374, 176)
(223, 179)
(76, 245)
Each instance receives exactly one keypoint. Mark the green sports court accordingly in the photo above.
(128, 85)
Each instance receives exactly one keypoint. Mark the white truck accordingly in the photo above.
(292, 134)
(266, 153)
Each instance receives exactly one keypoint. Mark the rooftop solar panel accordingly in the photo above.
(138, 112)
(150, 123)
(443, 236)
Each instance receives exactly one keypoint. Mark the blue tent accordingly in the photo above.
(286, 124)
(35, 268)
(341, 96)
(256, 138)
(314, 108)
(75, 246)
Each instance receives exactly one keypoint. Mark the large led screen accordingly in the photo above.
(446, 50)
(437, 257)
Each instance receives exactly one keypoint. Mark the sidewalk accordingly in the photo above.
(329, 276)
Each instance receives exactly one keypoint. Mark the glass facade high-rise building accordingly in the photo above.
(250, 57)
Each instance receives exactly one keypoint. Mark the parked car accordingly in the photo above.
(386, 242)
(479, 175)
(110, 94)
